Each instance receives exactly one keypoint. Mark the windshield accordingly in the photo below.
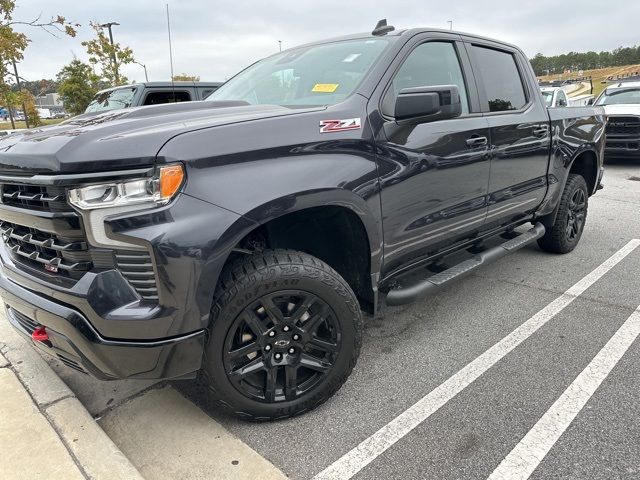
(112, 99)
(316, 75)
(548, 97)
(620, 96)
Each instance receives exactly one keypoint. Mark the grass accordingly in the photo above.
(7, 125)
(598, 76)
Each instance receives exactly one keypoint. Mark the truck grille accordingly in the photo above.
(35, 197)
(620, 127)
(47, 249)
(43, 232)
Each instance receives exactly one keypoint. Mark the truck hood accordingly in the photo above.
(120, 139)
(622, 110)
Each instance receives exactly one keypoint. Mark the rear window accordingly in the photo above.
(156, 98)
(501, 79)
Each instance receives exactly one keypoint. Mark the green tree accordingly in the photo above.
(77, 86)
(186, 78)
(108, 57)
(13, 44)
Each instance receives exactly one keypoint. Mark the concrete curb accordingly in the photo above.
(93, 451)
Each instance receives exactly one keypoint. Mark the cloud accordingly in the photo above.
(217, 39)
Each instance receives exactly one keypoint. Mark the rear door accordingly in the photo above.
(433, 176)
(519, 132)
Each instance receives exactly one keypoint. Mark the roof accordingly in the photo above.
(404, 33)
(164, 85)
(625, 85)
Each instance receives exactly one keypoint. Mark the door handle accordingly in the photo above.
(541, 131)
(477, 141)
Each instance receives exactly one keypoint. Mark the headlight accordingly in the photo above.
(157, 190)
(97, 202)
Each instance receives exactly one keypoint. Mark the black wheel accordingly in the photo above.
(569, 223)
(285, 334)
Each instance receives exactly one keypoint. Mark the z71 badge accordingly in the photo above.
(330, 126)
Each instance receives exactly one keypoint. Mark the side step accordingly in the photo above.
(411, 293)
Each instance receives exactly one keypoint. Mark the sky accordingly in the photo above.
(216, 39)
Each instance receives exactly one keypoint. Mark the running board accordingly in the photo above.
(411, 293)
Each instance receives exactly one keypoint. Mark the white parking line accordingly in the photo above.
(527, 455)
(372, 447)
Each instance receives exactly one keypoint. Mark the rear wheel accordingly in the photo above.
(285, 334)
(571, 217)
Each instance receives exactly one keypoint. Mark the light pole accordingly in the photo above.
(280, 44)
(113, 53)
(450, 22)
(146, 77)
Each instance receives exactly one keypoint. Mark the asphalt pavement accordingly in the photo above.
(439, 393)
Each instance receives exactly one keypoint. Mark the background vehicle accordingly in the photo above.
(44, 113)
(242, 237)
(150, 93)
(564, 96)
(621, 103)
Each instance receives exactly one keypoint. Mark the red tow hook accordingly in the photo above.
(40, 335)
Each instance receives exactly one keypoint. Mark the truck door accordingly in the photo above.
(520, 136)
(433, 176)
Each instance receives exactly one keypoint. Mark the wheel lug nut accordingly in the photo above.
(296, 337)
(286, 328)
(278, 356)
(292, 350)
(267, 348)
(272, 333)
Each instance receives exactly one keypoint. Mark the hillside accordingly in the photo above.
(598, 75)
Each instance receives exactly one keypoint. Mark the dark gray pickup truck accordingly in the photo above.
(239, 239)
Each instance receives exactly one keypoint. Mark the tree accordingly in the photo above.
(78, 85)
(108, 57)
(13, 44)
(186, 78)
(30, 109)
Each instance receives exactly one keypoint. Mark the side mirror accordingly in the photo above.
(591, 101)
(427, 104)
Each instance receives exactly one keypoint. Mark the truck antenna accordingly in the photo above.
(173, 87)
(382, 28)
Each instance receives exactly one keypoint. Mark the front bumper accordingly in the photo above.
(76, 343)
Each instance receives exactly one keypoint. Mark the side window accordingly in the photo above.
(562, 99)
(501, 79)
(156, 98)
(429, 64)
(205, 92)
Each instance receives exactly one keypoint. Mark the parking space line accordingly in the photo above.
(375, 445)
(521, 462)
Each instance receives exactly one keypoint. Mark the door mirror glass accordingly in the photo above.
(590, 102)
(427, 104)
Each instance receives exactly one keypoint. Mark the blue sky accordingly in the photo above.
(216, 39)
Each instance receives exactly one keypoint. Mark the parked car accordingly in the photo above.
(621, 103)
(240, 238)
(150, 93)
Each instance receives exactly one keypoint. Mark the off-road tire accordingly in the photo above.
(253, 276)
(556, 239)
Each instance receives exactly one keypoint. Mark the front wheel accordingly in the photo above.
(565, 233)
(285, 334)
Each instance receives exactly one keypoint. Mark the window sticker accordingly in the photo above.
(325, 87)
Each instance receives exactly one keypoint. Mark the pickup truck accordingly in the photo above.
(240, 240)
(621, 103)
(150, 93)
